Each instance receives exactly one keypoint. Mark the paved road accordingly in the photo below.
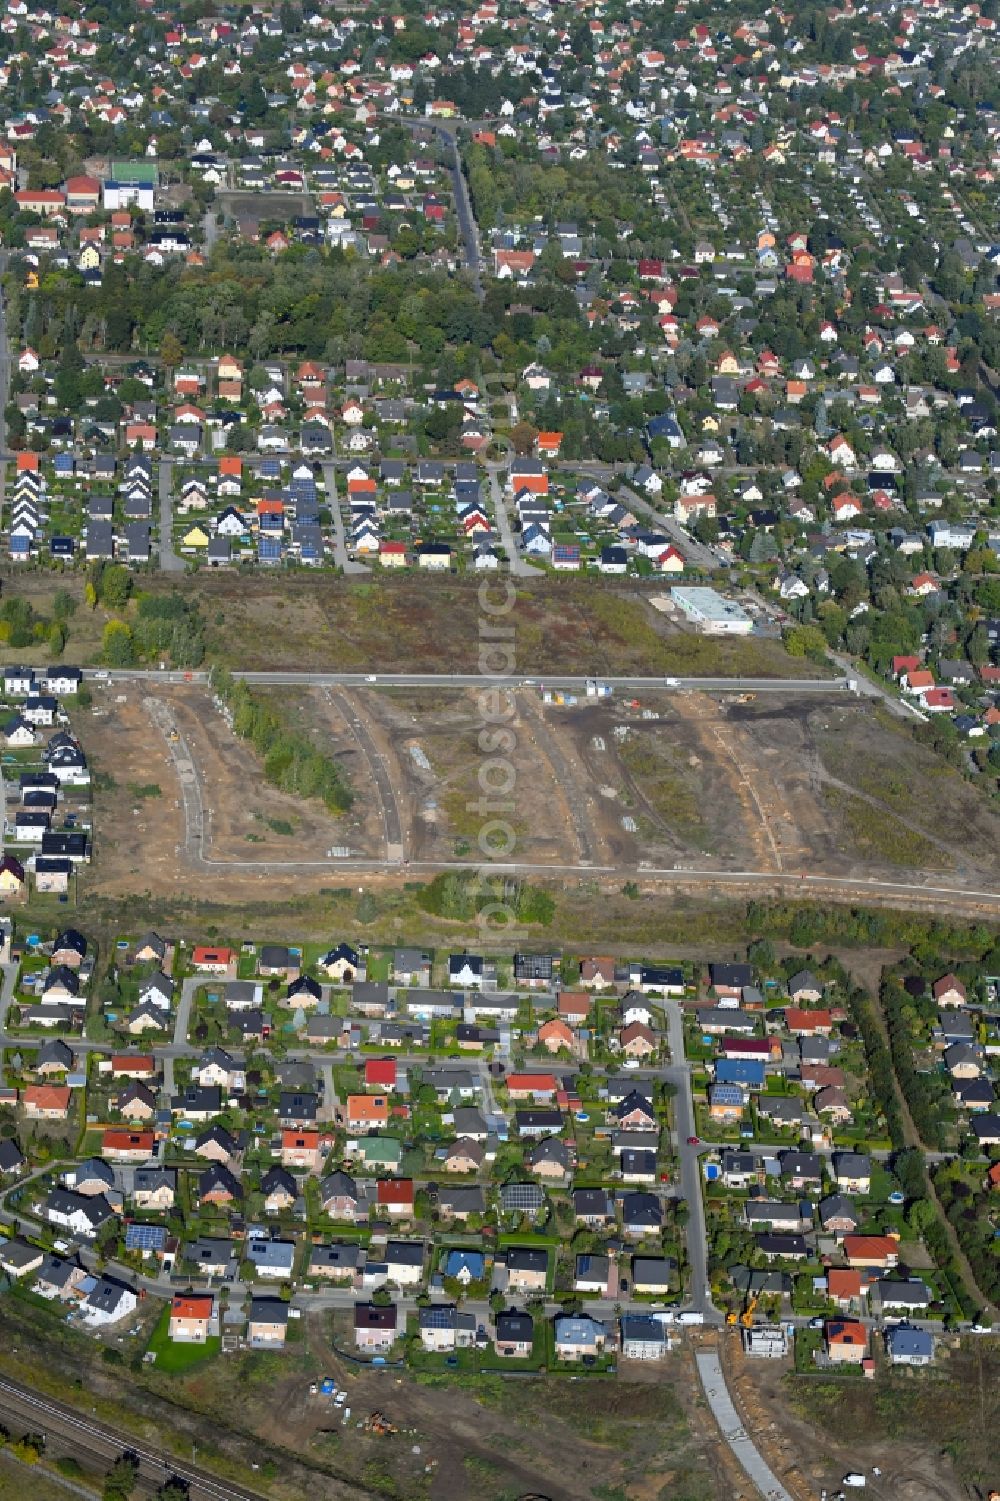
(466, 219)
(182, 1021)
(169, 561)
(517, 564)
(900, 707)
(570, 683)
(445, 130)
(349, 565)
(679, 1075)
(210, 228)
(694, 551)
(392, 824)
(714, 1383)
(10, 973)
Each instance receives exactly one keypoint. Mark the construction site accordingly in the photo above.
(824, 785)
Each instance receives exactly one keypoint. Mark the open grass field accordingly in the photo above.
(18, 1482)
(409, 623)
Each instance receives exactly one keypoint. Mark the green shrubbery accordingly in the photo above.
(463, 896)
(291, 762)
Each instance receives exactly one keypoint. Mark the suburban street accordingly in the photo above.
(679, 1075)
(518, 566)
(96, 1440)
(210, 229)
(446, 133)
(340, 557)
(169, 561)
(694, 551)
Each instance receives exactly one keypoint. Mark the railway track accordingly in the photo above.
(87, 1439)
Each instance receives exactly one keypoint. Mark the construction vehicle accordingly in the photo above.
(378, 1423)
(746, 698)
(746, 1317)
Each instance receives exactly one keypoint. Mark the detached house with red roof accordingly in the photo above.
(949, 991)
(396, 1196)
(191, 1317)
(380, 1074)
(846, 1341)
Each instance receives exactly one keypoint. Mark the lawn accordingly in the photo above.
(377, 967)
(473, 1361)
(178, 1359)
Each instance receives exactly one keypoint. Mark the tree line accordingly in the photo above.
(291, 762)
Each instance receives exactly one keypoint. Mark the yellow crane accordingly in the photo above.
(746, 1317)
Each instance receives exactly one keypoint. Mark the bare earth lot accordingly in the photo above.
(681, 780)
(932, 1433)
(639, 1436)
(144, 839)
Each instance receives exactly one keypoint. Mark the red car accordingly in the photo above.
(693, 1141)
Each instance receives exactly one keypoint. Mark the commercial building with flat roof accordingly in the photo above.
(711, 612)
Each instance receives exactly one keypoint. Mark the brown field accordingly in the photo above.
(639, 1435)
(832, 786)
(135, 837)
(789, 786)
(143, 839)
(436, 742)
(930, 1432)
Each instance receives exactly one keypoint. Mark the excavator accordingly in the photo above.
(746, 1317)
(378, 1423)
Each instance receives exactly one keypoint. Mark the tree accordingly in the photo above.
(174, 1489)
(523, 437)
(367, 908)
(122, 1479)
(171, 350)
(118, 648)
(63, 605)
(760, 954)
(805, 641)
(116, 586)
